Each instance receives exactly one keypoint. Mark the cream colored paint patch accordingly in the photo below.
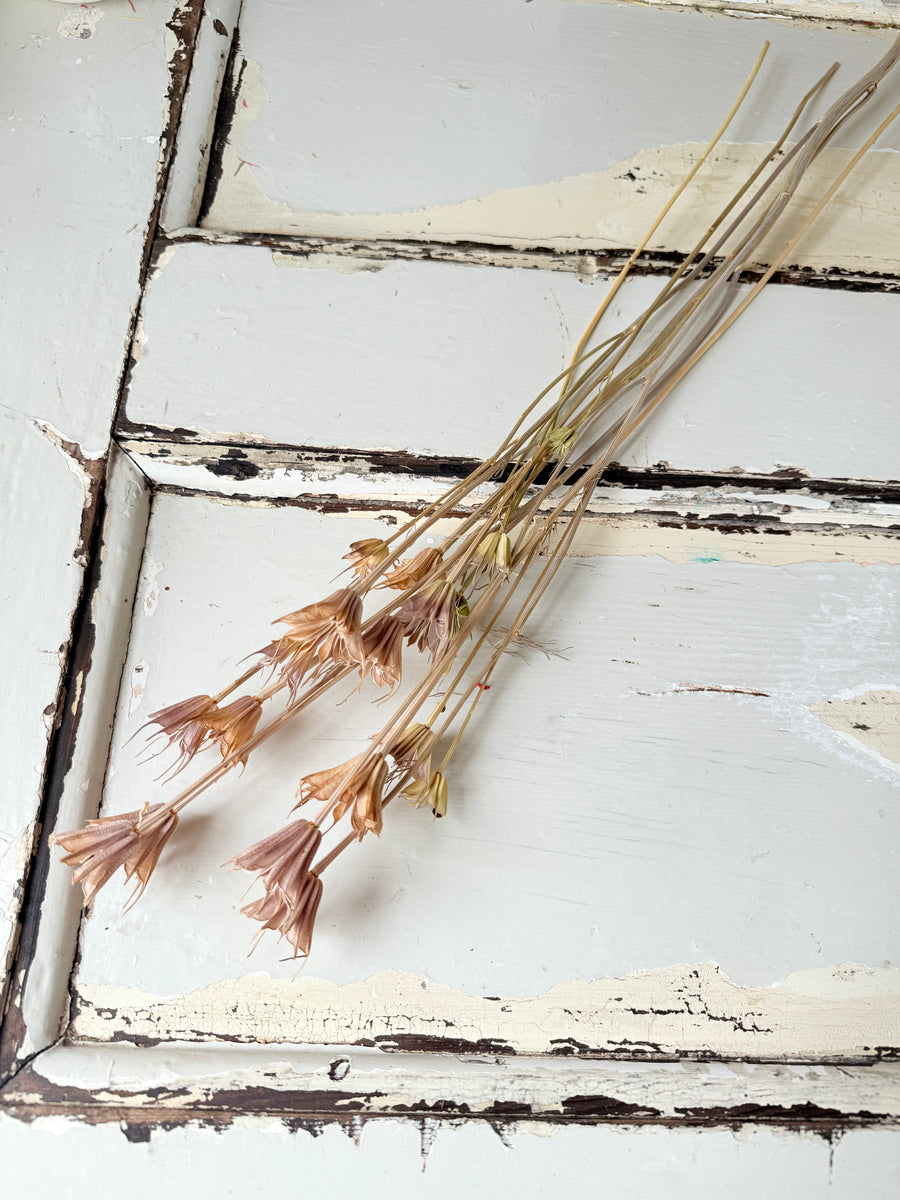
(843, 1011)
(872, 718)
(611, 208)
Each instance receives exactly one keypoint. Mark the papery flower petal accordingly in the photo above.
(327, 631)
(383, 651)
(292, 893)
(132, 840)
(412, 570)
(411, 750)
(234, 726)
(429, 615)
(366, 555)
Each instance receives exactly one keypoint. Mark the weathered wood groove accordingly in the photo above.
(587, 263)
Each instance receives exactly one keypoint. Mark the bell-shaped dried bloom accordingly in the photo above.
(327, 631)
(411, 750)
(366, 555)
(410, 571)
(357, 785)
(132, 840)
(383, 651)
(234, 725)
(429, 615)
(433, 793)
(186, 724)
(292, 893)
(494, 551)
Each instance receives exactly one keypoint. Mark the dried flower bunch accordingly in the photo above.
(466, 601)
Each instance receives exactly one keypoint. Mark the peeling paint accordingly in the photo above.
(138, 683)
(343, 264)
(871, 718)
(597, 210)
(802, 13)
(149, 573)
(851, 1011)
(81, 22)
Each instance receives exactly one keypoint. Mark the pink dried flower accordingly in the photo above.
(327, 631)
(429, 615)
(383, 651)
(292, 892)
(186, 724)
(357, 784)
(411, 570)
(132, 840)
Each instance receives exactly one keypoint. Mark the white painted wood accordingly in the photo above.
(43, 1006)
(78, 171)
(630, 806)
(547, 124)
(187, 175)
(238, 344)
(385, 1160)
(480, 1084)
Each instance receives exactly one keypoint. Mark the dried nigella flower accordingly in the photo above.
(429, 615)
(411, 570)
(132, 840)
(366, 555)
(383, 651)
(292, 892)
(321, 632)
(358, 783)
(186, 724)
(233, 726)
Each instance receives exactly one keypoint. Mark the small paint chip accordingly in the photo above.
(871, 718)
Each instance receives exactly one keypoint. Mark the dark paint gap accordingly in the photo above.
(232, 460)
(59, 762)
(464, 253)
(224, 122)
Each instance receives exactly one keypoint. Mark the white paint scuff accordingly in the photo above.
(851, 1010)
(81, 22)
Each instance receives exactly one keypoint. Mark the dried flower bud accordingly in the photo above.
(235, 724)
(366, 555)
(411, 750)
(383, 651)
(132, 840)
(494, 551)
(292, 892)
(429, 615)
(561, 439)
(434, 792)
(410, 571)
(357, 784)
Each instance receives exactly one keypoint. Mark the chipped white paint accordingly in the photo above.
(384, 1161)
(138, 683)
(871, 717)
(149, 572)
(472, 137)
(78, 125)
(80, 22)
(865, 12)
(184, 189)
(845, 1012)
(43, 1003)
(439, 358)
(478, 1083)
(15, 856)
